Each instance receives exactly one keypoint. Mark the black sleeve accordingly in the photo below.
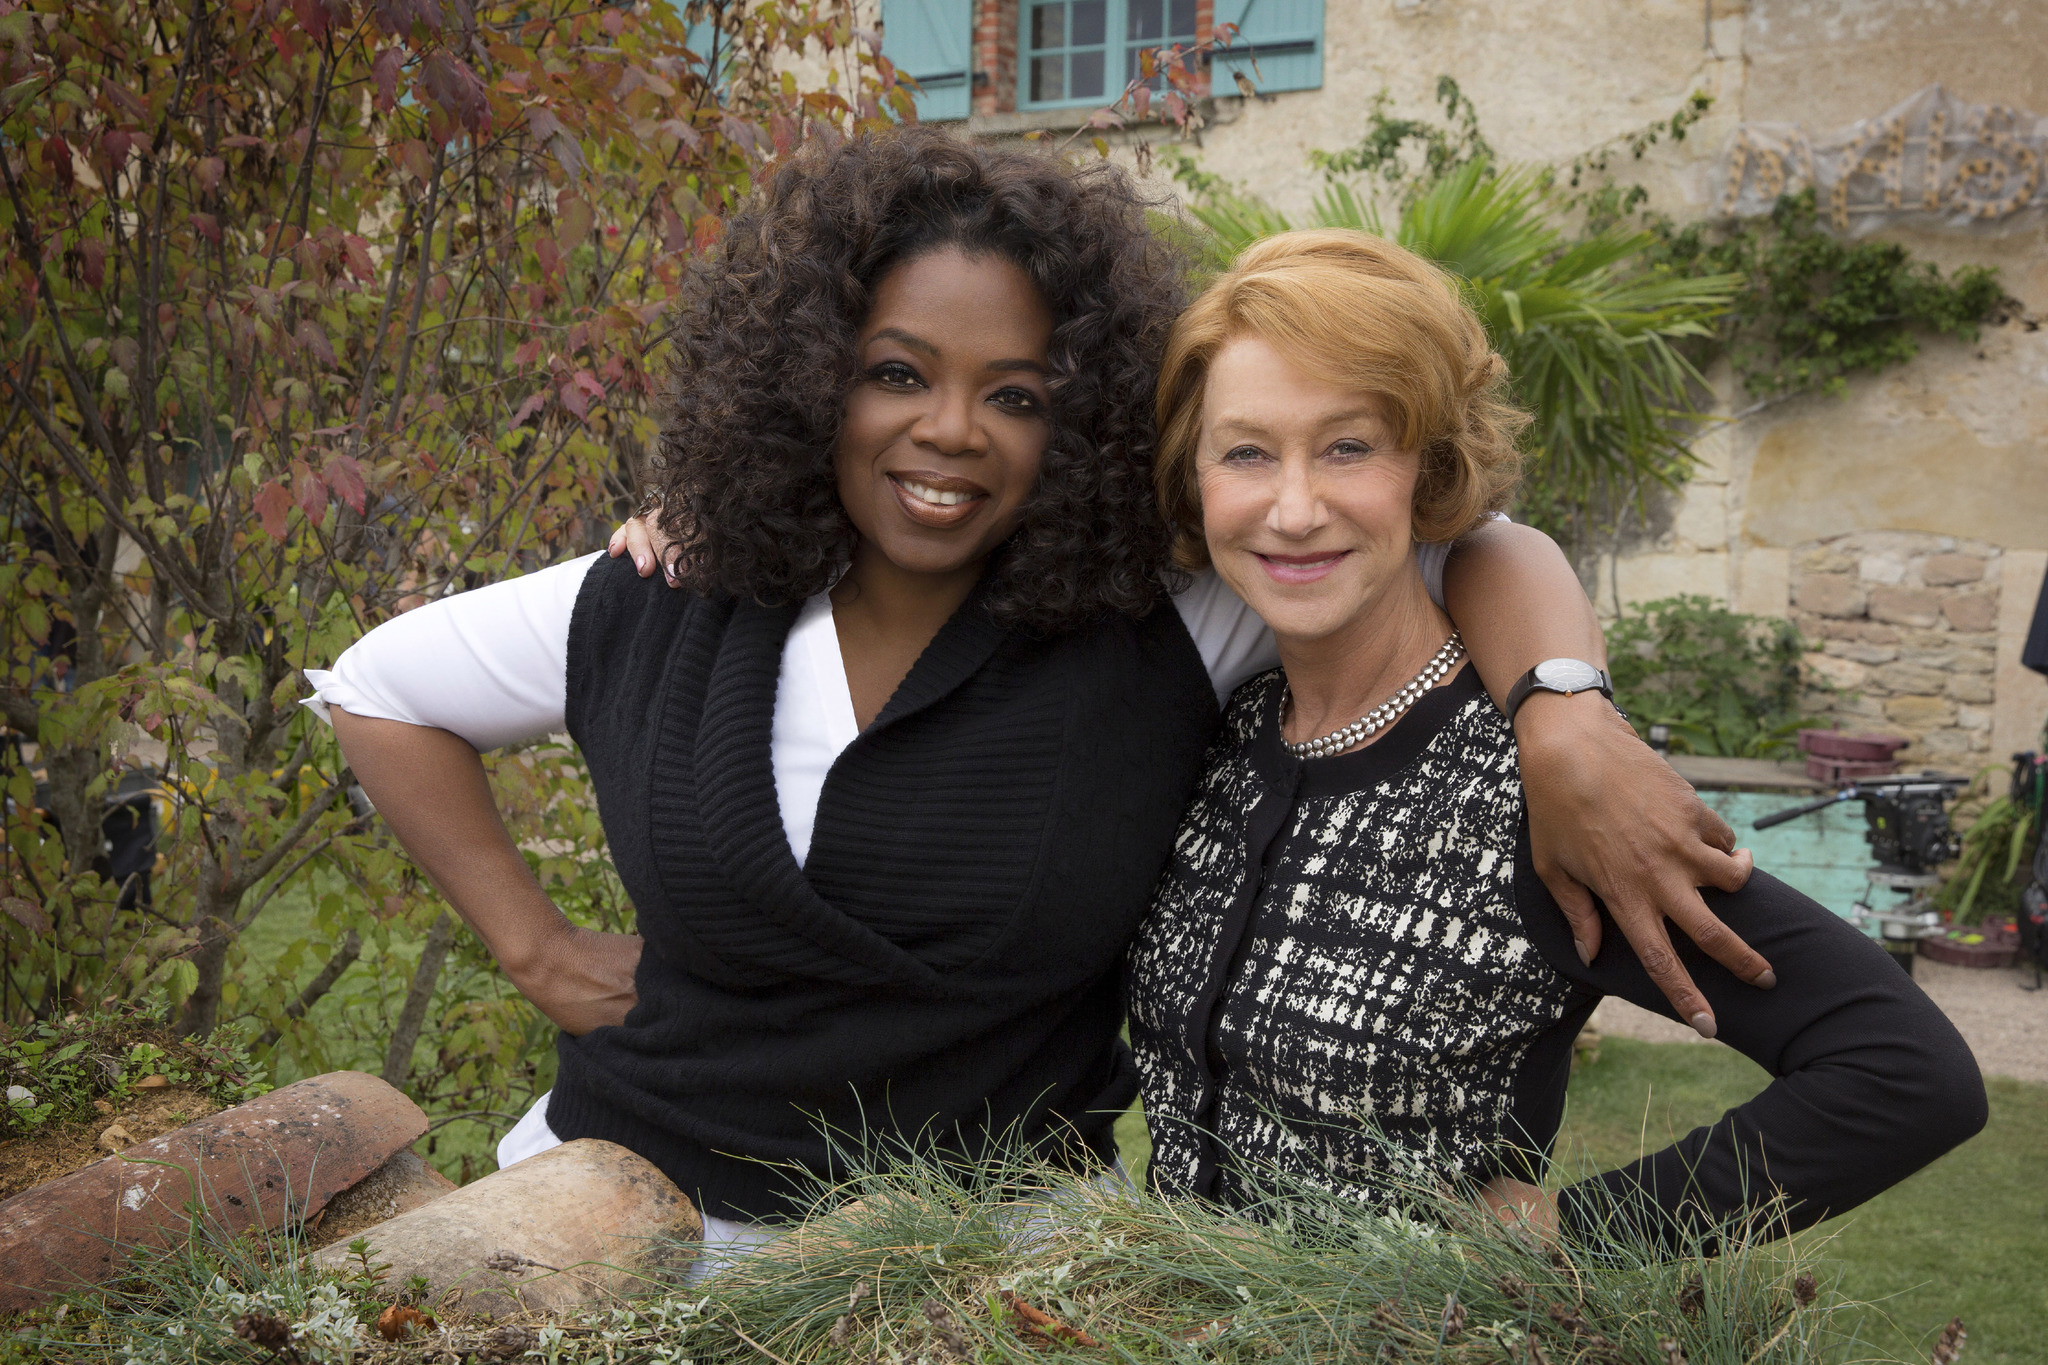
(1873, 1082)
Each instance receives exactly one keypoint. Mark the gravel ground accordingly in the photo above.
(2006, 1027)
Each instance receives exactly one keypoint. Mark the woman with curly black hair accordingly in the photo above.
(890, 779)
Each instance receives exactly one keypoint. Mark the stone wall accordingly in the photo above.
(1904, 626)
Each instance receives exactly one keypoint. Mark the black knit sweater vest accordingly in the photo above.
(942, 970)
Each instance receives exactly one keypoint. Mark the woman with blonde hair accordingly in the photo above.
(1350, 947)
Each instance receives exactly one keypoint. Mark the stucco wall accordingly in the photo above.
(1951, 448)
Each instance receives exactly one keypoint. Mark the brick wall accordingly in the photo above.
(995, 56)
(1905, 626)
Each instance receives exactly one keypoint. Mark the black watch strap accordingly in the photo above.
(1565, 676)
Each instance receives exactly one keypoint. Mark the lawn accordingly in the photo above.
(1967, 1236)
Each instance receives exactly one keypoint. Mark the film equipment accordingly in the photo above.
(1906, 824)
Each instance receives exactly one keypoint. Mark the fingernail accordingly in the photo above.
(1765, 979)
(1584, 957)
(640, 563)
(1703, 1024)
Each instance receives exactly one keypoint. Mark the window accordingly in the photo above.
(1084, 51)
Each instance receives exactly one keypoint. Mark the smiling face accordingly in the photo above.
(945, 433)
(1307, 502)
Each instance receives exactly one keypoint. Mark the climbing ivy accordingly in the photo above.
(1382, 154)
(1816, 308)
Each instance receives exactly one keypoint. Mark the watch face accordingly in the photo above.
(1567, 675)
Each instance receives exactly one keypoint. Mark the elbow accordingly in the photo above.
(1948, 1108)
(1965, 1108)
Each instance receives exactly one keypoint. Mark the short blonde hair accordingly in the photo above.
(1357, 311)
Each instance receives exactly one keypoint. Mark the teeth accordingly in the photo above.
(933, 496)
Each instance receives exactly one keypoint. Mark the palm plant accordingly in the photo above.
(1591, 333)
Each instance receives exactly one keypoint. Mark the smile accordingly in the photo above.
(937, 500)
(1301, 568)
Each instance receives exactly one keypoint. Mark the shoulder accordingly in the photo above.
(622, 627)
(1253, 706)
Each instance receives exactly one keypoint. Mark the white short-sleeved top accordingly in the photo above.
(491, 665)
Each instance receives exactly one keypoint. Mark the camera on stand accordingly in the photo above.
(1906, 824)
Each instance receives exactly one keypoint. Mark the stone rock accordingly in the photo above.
(1920, 714)
(1970, 686)
(400, 1185)
(1905, 606)
(115, 1139)
(1944, 571)
(1971, 610)
(1830, 594)
(1910, 678)
(1843, 673)
(1889, 568)
(581, 1221)
(1973, 718)
(1948, 743)
(1861, 653)
(258, 1165)
(1825, 560)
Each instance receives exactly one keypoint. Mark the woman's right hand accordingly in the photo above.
(583, 980)
(643, 542)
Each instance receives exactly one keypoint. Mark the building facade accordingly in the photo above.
(1903, 526)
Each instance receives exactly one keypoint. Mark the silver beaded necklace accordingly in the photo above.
(1383, 715)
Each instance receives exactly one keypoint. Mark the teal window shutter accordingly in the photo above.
(1286, 36)
(932, 41)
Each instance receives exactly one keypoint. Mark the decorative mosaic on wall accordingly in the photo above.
(1931, 158)
(1906, 628)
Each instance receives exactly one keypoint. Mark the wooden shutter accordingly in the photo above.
(932, 41)
(1286, 36)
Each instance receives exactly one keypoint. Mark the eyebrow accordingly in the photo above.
(918, 343)
(1345, 418)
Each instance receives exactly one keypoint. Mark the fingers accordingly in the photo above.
(635, 541)
(1717, 940)
(1715, 830)
(1726, 872)
(1579, 911)
(616, 546)
(1644, 927)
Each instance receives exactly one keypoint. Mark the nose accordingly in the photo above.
(950, 423)
(1297, 510)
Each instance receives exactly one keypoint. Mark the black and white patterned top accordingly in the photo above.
(1350, 946)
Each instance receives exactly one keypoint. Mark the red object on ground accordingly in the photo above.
(1963, 945)
(280, 1156)
(1836, 757)
(1859, 748)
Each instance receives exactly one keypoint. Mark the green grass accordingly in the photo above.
(1967, 1236)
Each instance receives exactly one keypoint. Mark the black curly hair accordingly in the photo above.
(763, 359)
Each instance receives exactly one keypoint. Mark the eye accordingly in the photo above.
(896, 375)
(1350, 450)
(1014, 399)
(1243, 455)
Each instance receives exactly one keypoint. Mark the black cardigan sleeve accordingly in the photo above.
(1872, 1081)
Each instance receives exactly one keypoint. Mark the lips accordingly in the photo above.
(936, 500)
(1301, 568)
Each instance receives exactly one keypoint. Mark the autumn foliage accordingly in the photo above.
(312, 310)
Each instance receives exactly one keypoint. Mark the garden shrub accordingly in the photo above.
(1727, 684)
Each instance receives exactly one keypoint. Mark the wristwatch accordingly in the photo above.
(1558, 675)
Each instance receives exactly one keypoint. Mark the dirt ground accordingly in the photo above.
(61, 1149)
(2005, 1025)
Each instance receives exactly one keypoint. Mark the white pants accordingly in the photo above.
(724, 1241)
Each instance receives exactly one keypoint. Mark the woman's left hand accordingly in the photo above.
(1609, 817)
